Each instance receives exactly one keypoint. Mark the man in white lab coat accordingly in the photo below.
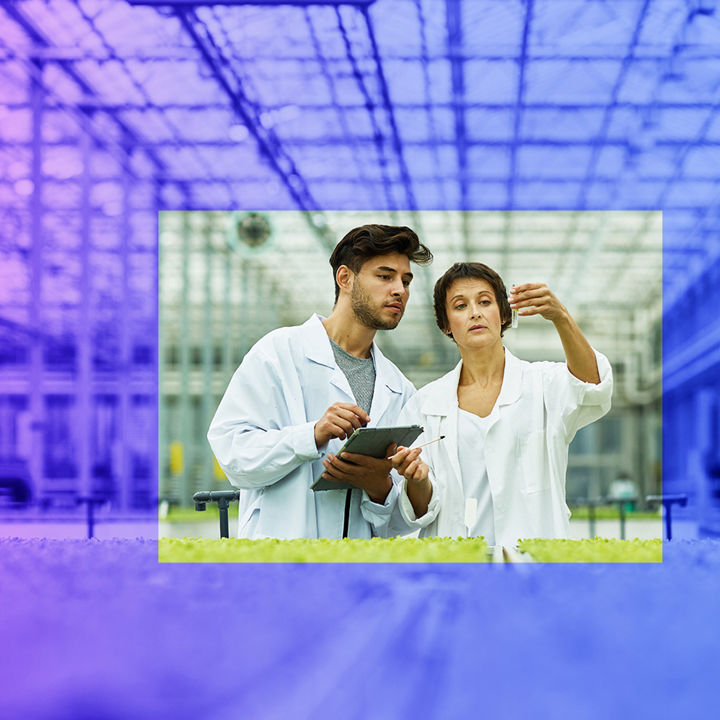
(300, 391)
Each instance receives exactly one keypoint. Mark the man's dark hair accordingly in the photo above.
(461, 271)
(367, 241)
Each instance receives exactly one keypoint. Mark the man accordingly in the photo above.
(300, 391)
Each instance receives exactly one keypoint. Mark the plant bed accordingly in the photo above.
(377, 550)
(401, 550)
(597, 550)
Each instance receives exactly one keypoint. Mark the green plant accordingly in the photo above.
(596, 550)
(376, 550)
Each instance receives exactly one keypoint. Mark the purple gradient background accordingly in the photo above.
(100, 630)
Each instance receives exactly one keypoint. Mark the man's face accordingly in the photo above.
(381, 290)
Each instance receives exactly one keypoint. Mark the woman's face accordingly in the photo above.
(473, 314)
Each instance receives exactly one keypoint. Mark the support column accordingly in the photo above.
(84, 340)
(163, 441)
(207, 400)
(123, 471)
(36, 405)
(227, 335)
(184, 408)
(158, 453)
(704, 409)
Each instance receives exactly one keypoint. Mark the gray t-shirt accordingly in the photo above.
(360, 373)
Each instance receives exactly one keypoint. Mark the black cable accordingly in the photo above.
(346, 523)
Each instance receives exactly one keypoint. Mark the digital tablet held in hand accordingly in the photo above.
(373, 442)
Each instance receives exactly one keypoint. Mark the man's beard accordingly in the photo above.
(366, 314)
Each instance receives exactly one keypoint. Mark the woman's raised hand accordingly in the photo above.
(536, 299)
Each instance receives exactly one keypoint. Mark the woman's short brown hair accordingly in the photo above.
(460, 271)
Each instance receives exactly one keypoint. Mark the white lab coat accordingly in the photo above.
(540, 407)
(262, 435)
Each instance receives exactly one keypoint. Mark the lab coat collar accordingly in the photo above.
(442, 394)
(386, 370)
(318, 349)
(316, 343)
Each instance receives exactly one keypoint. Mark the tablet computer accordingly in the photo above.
(372, 442)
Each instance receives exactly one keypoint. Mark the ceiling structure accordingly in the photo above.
(500, 108)
(605, 266)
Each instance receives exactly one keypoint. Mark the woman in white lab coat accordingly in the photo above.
(500, 470)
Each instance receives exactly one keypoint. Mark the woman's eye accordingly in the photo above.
(460, 306)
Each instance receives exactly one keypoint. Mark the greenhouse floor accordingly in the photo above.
(102, 630)
(579, 529)
(76, 528)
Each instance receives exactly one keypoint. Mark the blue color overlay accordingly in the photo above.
(113, 112)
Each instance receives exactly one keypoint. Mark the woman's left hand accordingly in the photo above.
(536, 299)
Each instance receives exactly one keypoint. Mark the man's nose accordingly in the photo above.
(400, 288)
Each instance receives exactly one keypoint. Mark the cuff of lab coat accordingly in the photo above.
(408, 512)
(592, 394)
(303, 441)
(379, 510)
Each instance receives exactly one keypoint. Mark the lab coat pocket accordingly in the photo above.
(532, 462)
(247, 523)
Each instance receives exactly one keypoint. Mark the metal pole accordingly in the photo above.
(244, 309)
(122, 473)
(184, 343)
(84, 429)
(161, 458)
(206, 401)
(223, 510)
(159, 450)
(227, 335)
(35, 391)
(90, 518)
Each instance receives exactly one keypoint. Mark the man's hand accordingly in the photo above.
(339, 421)
(364, 472)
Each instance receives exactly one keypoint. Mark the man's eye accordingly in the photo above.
(384, 277)
(406, 283)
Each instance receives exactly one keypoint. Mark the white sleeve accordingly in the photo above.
(407, 511)
(250, 434)
(402, 519)
(577, 403)
(379, 515)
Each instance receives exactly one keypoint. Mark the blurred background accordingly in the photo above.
(174, 176)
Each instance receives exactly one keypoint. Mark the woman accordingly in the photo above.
(500, 470)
